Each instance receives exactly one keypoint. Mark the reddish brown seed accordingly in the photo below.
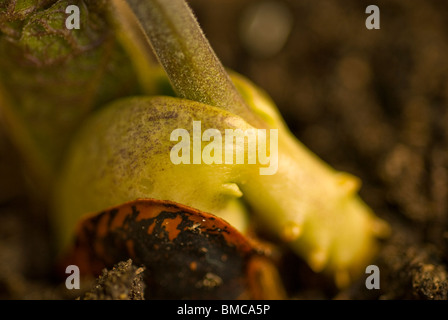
(179, 246)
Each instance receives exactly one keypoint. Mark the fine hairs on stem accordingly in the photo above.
(192, 66)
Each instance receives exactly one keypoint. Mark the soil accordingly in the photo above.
(123, 282)
(370, 102)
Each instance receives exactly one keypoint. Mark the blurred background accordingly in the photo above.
(370, 102)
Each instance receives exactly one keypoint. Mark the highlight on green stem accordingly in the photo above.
(122, 153)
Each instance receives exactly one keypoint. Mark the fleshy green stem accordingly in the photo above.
(194, 70)
(304, 202)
